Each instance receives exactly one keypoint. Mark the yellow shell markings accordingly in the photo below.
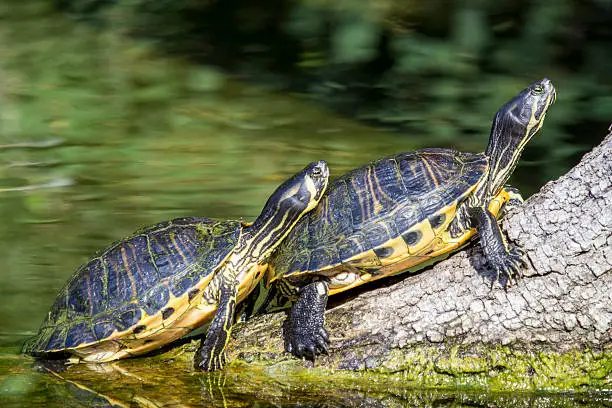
(186, 316)
(158, 331)
(369, 260)
(432, 175)
(432, 243)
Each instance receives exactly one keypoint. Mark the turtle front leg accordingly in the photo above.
(504, 260)
(516, 199)
(211, 354)
(305, 331)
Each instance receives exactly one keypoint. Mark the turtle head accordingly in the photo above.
(291, 200)
(525, 113)
(302, 192)
(513, 126)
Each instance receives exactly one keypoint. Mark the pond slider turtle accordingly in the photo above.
(399, 212)
(166, 280)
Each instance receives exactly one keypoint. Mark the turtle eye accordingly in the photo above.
(316, 172)
(538, 90)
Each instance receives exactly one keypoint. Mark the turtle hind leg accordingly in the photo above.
(211, 353)
(504, 260)
(305, 332)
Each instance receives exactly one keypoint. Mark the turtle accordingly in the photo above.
(165, 280)
(398, 213)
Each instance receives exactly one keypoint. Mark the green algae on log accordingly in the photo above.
(148, 382)
(447, 326)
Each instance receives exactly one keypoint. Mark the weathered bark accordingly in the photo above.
(554, 327)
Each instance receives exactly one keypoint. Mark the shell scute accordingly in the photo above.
(321, 257)
(128, 316)
(340, 217)
(299, 263)
(389, 182)
(370, 207)
(155, 299)
(79, 302)
(351, 246)
(453, 192)
(139, 263)
(56, 340)
(95, 287)
(407, 217)
(168, 259)
(79, 333)
(412, 176)
(181, 285)
(303, 236)
(103, 329)
(132, 279)
(358, 198)
(380, 233)
(429, 205)
(84, 293)
(119, 287)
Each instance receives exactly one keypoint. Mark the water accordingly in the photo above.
(99, 136)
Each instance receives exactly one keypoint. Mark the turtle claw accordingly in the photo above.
(322, 346)
(308, 345)
(323, 334)
(509, 266)
(210, 360)
(305, 333)
(312, 352)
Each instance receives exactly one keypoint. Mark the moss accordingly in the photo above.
(277, 379)
(495, 368)
(490, 367)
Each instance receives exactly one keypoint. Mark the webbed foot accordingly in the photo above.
(211, 357)
(508, 265)
(505, 260)
(211, 353)
(305, 329)
(308, 342)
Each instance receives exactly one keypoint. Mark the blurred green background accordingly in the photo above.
(119, 113)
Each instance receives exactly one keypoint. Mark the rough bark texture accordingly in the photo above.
(553, 329)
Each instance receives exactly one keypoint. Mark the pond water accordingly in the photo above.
(99, 136)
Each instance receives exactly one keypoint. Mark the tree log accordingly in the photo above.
(452, 324)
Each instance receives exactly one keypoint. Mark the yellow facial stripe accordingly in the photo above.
(291, 192)
(312, 192)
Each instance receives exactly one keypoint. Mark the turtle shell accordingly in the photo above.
(136, 283)
(379, 215)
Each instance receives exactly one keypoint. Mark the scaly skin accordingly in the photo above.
(504, 260)
(306, 334)
(211, 353)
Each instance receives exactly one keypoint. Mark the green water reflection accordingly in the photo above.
(132, 383)
(98, 136)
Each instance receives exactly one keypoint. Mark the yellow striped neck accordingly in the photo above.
(256, 245)
(278, 217)
(506, 144)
